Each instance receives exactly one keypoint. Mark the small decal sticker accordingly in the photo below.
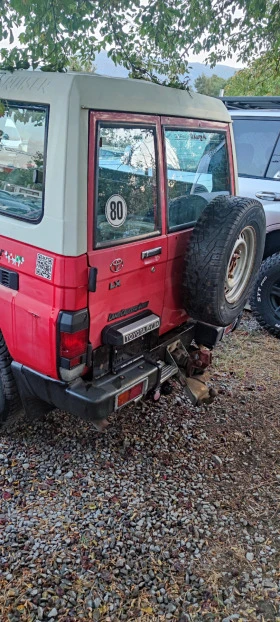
(116, 210)
(15, 260)
(44, 266)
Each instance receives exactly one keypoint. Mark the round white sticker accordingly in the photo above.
(116, 210)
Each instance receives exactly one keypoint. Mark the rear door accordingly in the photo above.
(199, 166)
(127, 246)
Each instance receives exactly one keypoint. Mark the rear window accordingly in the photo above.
(255, 140)
(23, 131)
(197, 171)
(127, 204)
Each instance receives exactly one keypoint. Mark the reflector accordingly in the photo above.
(130, 394)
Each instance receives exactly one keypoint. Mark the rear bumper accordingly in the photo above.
(95, 400)
(92, 401)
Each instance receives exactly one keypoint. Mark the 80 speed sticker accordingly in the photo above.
(116, 210)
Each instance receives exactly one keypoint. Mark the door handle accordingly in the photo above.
(151, 252)
(269, 196)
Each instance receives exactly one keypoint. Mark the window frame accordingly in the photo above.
(263, 119)
(270, 162)
(171, 124)
(39, 107)
(128, 120)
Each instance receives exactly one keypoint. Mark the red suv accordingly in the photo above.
(123, 252)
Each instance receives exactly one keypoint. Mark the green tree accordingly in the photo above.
(74, 64)
(262, 77)
(209, 86)
(149, 38)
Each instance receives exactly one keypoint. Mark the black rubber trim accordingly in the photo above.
(9, 278)
(73, 321)
(92, 401)
(92, 279)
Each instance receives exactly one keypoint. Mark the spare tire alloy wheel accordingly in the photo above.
(240, 265)
(265, 299)
(223, 257)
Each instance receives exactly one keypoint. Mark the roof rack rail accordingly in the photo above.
(255, 103)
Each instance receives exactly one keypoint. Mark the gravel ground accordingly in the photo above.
(171, 514)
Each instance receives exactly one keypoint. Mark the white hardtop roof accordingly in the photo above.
(106, 93)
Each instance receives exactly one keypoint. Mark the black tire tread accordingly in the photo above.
(203, 259)
(14, 404)
(267, 264)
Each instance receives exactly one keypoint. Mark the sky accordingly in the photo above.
(232, 62)
(199, 58)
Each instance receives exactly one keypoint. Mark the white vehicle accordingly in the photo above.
(256, 126)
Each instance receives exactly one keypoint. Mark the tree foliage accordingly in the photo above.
(209, 86)
(262, 77)
(74, 64)
(150, 38)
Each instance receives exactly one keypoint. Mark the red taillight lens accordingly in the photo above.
(73, 345)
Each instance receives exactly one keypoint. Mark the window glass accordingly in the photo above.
(274, 166)
(22, 155)
(127, 197)
(254, 141)
(197, 171)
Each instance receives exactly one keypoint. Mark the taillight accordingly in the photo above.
(72, 343)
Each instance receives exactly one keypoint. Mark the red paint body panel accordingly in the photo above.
(173, 312)
(28, 316)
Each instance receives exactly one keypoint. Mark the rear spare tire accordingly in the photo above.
(265, 299)
(223, 257)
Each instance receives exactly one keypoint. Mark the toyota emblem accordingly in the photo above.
(116, 265)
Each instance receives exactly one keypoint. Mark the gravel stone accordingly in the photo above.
(170, 514)
(69, 475)
(40, 613)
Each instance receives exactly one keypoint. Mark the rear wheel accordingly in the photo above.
(265, 299)
(10, 403)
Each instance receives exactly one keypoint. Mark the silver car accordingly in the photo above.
(256, 126)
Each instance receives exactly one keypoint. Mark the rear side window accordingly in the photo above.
(255, 140)
(197, 171)
(126, 204)
(23, 131)
(273, 171)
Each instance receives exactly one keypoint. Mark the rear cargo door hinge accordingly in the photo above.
(92, 278)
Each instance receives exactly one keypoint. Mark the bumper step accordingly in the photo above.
(167, 371)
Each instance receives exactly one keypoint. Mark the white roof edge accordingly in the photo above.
(108, 93)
